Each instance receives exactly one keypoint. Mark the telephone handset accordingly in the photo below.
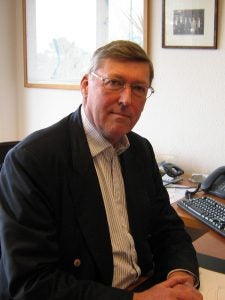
(172, 170)
(215, 183)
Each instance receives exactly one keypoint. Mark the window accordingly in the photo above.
(61, 35)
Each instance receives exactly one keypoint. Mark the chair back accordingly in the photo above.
(4, 148)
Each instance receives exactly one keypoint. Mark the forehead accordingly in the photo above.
(129, 70)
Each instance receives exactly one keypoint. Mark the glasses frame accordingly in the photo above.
(125, 84)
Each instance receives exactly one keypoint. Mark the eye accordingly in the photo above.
(139, 89)
(113, 84)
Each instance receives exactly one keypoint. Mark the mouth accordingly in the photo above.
(123, 115)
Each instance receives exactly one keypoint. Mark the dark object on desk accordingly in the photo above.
(207, 210)
(4, 148)
(215, 183)
(211, 263)
(189, 194)
(172, 170)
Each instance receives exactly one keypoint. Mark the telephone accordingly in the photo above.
(170, 173)
(172, 170)
(215, 183)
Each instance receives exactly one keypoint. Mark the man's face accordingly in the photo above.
(114, 113)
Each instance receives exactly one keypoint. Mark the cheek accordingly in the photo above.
(100, 101)
(96, 107)
(138, 108)
(137, 111)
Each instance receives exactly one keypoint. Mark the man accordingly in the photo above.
(84, 214)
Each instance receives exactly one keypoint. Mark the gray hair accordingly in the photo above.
(121, 50)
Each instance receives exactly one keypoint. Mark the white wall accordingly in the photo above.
(185, 119)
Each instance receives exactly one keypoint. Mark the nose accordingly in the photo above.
(125, 95)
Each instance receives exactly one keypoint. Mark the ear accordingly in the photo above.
(84, 86)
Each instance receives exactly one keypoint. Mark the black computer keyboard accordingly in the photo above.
(207, 210)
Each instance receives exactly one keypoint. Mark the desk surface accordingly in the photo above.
(209, 242)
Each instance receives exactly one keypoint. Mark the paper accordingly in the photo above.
(175, 194)
(178, 192)
(212, 284)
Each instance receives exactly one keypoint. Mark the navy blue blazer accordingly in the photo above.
(53, 228)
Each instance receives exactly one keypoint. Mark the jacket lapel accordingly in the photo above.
(136, 197)
(89, 205)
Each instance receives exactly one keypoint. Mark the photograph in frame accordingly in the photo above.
(189, 24)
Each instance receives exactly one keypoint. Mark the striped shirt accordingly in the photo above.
(107, 165)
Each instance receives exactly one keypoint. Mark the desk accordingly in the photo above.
(212, 244)
(208, 242)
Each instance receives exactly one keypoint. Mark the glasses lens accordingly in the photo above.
(113, 84)
(139, 90)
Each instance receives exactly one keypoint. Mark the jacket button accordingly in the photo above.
(77, 262)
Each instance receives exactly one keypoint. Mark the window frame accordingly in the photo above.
(65, 85)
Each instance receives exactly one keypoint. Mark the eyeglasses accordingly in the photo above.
(117, 85)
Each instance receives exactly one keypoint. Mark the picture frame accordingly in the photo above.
(58, 48)
(189, 24)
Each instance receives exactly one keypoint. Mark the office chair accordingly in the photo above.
(4, 148)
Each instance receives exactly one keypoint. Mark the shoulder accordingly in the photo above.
(50, 144)
(55, 136)
(139, 143)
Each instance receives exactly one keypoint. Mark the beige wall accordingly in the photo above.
(8, 96)
(185, 119)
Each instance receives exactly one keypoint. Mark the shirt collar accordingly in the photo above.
(97, 143)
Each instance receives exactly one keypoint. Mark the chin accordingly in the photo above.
(116, 135)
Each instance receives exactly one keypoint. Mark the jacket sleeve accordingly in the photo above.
(29, 240)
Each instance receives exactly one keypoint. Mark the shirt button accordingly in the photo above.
(77, 262)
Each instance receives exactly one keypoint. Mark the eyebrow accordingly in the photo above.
(120, 77)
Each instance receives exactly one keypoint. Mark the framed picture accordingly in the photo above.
(189, 24)
(61, 36)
